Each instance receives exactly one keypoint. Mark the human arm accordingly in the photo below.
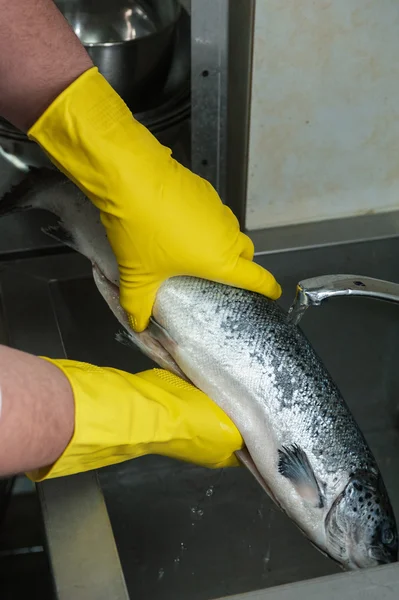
(40, 56)
(36, 414)
(60, 417)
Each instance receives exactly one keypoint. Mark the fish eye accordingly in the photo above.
(387, 536)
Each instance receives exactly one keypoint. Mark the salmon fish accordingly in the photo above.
(302, 442)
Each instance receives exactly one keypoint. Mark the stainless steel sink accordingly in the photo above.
(182, 531)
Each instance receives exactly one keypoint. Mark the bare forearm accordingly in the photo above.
(36, 412)
(40, 56)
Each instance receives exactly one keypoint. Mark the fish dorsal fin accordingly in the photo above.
(295, 466)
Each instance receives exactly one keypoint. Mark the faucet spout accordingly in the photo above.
(313, 291)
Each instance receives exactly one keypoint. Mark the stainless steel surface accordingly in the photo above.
(381, 583)
(241, 23)
(209, 84)
(221, 72)
(313, 291)
(84, 559)
(100, 22)
(130, 41)
(326, 233)
(186, 532)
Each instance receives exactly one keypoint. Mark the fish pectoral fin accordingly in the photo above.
(160, 334)
(295, 466)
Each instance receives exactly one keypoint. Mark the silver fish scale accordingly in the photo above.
(248, 336)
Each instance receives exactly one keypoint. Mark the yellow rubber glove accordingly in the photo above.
(161, 219)
(120, 416)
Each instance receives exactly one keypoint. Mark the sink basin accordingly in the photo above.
(187, 532)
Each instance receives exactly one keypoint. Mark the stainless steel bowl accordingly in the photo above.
(130, 41)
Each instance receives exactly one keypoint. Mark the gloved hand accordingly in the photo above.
(161, 219)
(119, 416)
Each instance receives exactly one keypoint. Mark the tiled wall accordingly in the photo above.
(325, 111)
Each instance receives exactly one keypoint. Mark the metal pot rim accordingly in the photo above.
(128, 42)
(149, 36)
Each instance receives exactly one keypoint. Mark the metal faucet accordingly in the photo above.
(313, 291)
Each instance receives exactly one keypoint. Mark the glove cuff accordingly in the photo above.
(113, 422)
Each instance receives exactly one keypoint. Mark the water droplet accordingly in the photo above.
(209, 491)
(161, 573)
(198, 512)
(266, 558)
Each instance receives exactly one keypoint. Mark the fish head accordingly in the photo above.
(360, 525)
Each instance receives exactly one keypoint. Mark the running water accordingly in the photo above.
(298, 307)
(296, 311)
